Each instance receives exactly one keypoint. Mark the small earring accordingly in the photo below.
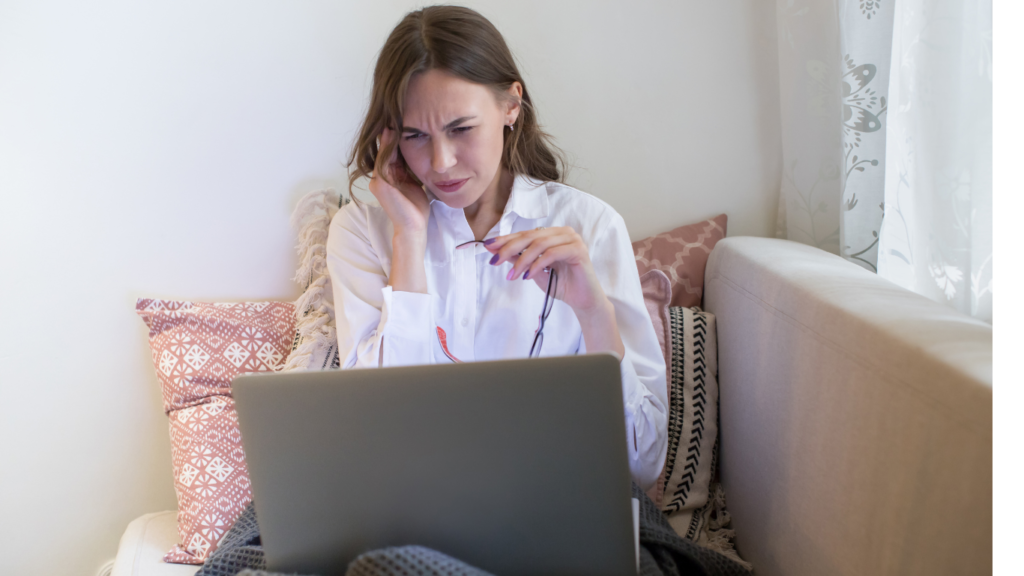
(512, 127)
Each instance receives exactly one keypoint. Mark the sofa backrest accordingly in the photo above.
(855, 417)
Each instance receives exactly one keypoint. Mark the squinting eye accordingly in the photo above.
(411, 136)
(462, 129)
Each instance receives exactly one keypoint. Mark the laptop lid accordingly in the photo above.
(514, 466)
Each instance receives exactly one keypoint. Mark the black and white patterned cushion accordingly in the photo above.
(693, 419)
(692, 500)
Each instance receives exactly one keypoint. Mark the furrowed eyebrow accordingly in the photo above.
(447, 126)
(458, 121)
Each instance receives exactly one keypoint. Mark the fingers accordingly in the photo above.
(513, 244)
(382, 142)
(508, 248)
(548, 259)
(524, 248)
(388, 167)
(535, 249)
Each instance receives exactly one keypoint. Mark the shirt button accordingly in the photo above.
(465, 322)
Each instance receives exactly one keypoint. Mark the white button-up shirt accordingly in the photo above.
(473, 313)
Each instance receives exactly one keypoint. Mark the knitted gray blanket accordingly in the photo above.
(662, 552)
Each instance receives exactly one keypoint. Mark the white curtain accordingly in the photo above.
(887, 127)
(937, 235)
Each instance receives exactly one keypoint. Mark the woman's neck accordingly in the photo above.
(483, 214)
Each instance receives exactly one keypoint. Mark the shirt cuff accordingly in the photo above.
(406, 326)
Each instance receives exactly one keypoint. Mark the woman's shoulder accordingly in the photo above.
(570, 206)
(360, 224)
(360, 217)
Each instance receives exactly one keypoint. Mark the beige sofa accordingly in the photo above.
(856, 422)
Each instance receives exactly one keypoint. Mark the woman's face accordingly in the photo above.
(452, 136)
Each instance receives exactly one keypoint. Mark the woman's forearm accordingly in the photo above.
(601, 331)
(408, 273)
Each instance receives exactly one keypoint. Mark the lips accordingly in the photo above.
(450, 185)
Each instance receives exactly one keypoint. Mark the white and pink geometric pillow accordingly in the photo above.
(198, 349)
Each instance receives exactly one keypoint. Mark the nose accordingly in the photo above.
(443, 156)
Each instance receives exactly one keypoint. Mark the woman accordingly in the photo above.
(473, 223)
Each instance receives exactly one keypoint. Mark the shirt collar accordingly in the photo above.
(529, 198)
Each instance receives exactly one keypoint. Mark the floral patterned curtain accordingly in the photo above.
(896, 179)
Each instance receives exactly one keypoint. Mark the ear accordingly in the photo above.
(512, 104)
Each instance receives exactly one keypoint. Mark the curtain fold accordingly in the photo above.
(809, 72)
(886, 112)
(937, 235)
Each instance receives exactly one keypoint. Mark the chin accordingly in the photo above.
(456, 202)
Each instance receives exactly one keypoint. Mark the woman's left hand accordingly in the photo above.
(562, 249)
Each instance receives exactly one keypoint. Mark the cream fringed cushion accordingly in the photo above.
(316, 342)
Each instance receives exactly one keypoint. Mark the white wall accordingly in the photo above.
(155, 149)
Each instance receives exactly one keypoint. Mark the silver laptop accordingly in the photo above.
(515, 466)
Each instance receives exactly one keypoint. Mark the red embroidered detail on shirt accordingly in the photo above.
(443, 339)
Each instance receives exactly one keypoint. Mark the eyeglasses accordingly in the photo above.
(549, 303)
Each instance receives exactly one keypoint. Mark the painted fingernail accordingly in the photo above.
(489, 241)
(510, 274)
(495, 259)
(526, 275)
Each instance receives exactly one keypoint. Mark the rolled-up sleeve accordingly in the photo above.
(644, 387)
(370, 315)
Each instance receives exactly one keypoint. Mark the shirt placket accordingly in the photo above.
(464, 317)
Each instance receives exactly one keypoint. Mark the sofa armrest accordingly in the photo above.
(144, 544)
(856, 417)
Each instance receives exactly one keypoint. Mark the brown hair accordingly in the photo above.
(464, 43)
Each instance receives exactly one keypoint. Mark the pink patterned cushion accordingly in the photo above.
(657, 291)
(198, 349)
(681, 254)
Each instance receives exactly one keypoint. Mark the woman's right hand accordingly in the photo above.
(405, 202)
